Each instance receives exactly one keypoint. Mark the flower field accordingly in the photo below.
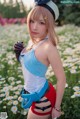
(11, 78)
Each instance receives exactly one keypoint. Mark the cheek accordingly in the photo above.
(45, 30)
(31, 27)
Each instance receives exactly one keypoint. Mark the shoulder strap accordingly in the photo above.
(36, 46)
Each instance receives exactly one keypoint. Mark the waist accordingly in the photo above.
(26, 92)
(32, 83)
(29, 98)
(40, 92)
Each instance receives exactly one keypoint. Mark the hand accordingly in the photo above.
(55, 113)
(18, 47)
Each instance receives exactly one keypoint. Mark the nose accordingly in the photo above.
(35, 26)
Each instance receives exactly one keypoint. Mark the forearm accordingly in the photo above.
(59, 92)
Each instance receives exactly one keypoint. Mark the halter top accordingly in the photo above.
(33, 70)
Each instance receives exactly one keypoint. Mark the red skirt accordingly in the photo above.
(51, 96)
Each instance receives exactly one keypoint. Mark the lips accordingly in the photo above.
(34, 33)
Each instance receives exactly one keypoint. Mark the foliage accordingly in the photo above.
(68, 12)
(12, 11)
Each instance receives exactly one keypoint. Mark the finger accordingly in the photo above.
(18, 47)
(20, 43)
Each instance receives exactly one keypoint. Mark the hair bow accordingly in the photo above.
(40, 2)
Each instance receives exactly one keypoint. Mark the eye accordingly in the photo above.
(43, 23)
(31, 21)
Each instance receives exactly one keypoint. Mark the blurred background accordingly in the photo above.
(11, 11)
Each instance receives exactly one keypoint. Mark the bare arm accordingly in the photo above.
(55, 61)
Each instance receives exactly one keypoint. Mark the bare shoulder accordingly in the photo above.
(50, 48)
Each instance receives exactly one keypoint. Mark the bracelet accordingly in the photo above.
(57, 109)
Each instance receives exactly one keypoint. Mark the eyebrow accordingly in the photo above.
(42, 20)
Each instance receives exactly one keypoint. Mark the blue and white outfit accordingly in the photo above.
(34, 73)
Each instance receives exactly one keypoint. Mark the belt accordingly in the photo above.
(29, 98)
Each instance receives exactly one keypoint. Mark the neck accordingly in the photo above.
(38, 40)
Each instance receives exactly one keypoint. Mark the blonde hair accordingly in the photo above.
(49, 21)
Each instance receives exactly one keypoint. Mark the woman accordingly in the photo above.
(39, 94)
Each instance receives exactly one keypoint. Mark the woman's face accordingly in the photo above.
(38, 28)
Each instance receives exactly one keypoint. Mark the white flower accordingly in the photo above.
(76, 88)
(11, 78)
(24, 112)
(10, 102)
(77, 94)
(14, 88)
(10, 87)
(4, 107)
(73, 71)
(12, 83)
(11, 62)
(66, 85)
(73, 96)
(65, 64)
(2, 78)
(0, 102)
(20, 99)
(68, 50)
(4, 99)
(14, 109)
(7, 93)
(9, 97)
(15, 102)
(18, 82)
(2, 95)
(15, 97)
(17, 92)
(5, 89)
(20, 86)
